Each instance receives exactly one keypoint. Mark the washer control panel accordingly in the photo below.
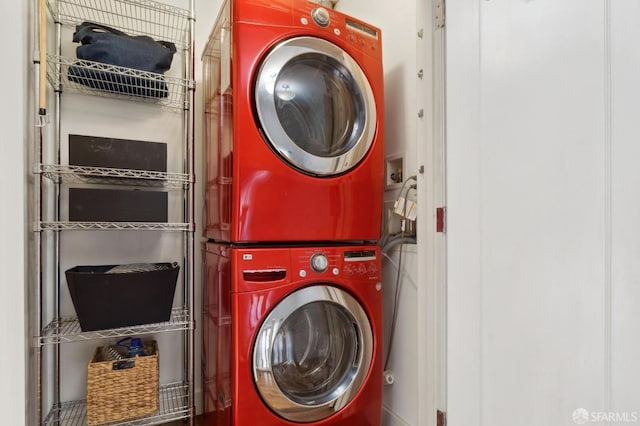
(349, 263)
(360, 262)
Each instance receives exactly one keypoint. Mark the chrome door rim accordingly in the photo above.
(263, 374)
(277, 135)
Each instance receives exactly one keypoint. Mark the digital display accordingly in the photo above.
(353, 255)
(362, 28)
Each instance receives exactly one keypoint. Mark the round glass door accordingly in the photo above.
(315, 106)
(312, 353)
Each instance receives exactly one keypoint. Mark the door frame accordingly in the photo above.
(432, 243)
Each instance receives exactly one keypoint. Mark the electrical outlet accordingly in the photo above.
(392, 220)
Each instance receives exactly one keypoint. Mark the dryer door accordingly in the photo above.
(315, 106)
(312, 353)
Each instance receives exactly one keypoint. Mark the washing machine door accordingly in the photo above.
(312, 353)
(315, 106)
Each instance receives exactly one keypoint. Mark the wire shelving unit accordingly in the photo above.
(170, 93)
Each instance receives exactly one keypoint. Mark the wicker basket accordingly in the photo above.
(122, 389)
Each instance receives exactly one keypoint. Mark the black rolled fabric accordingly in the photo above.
(100, 43)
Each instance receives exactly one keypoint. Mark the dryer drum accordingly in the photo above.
(315, 106)
(328, 128)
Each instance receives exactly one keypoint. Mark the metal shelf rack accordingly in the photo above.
(173, 92)
(110, 81)
(116, 226)
(173, 406)
(160, 21)
(61, 173)
(67, 330)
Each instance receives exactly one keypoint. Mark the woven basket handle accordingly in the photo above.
(123, 365)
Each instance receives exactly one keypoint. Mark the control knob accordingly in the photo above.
(320, 16)
(319, 262)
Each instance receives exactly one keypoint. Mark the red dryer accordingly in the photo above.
(293, 124)
(292, 335)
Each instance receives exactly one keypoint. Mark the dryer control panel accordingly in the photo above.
(358, 34)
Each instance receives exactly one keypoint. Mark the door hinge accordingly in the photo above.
(442, 418)
(440, 13)
(441, 219)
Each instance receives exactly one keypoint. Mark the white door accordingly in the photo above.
(543, 209)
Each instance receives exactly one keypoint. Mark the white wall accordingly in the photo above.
(406, 137)
(624, 292)
(13, 224)
(542, 138)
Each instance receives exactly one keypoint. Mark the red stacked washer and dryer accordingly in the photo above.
(292, 296)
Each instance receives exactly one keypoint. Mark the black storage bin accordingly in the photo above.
(103, 299)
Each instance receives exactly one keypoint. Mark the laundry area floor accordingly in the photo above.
(198, 422)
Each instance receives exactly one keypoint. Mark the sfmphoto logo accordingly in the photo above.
(581, 416)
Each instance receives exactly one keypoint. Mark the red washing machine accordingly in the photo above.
(292, 335)
(293, 106)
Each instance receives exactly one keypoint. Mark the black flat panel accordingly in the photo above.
(117, 153)
(110, 205)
